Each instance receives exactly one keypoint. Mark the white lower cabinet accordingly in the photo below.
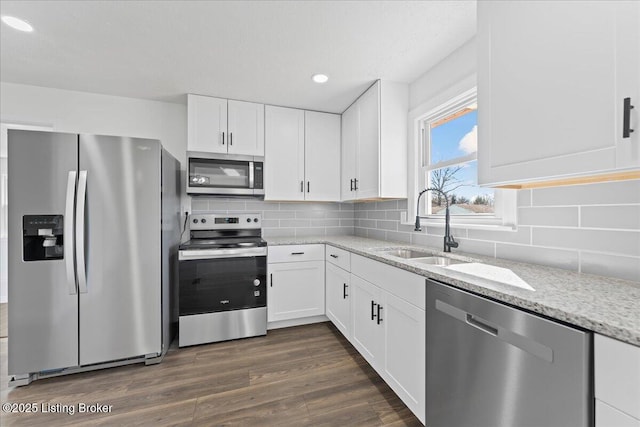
(338, 298)
(295, 282)
(367, 335)
(617, 382)
(404, 351)
(389, 332)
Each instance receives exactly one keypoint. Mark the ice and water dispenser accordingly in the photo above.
(42, 237)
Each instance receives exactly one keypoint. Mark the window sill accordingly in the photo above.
(492, 224)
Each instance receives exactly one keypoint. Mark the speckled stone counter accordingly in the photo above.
(604, 305)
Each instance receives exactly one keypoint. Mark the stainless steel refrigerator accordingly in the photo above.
(93, 234)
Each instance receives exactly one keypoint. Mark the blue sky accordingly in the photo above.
(445, 144)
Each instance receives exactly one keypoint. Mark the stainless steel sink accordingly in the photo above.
(438, 260)
(406, 253)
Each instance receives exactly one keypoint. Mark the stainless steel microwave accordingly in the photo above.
(225, 174)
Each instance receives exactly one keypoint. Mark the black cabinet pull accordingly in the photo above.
(307, 186)
(230, 138)
(222, 138)
(373, 314)
(355, 186)
(302, 186)
(379, 320)
(333, 255)
(344, 291)
(626, 119)
(297, 253)
(351, 184)
(271, 279)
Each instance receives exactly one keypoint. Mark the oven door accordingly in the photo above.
(218, 280)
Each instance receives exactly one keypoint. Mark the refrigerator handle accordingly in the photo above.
(69, 233)
(80, 220)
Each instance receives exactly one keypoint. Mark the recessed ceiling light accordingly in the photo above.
(17, 23)
(320, 78)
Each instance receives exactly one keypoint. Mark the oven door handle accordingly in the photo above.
(194, 254)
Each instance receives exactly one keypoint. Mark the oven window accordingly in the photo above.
(222, 284)
(218, 173)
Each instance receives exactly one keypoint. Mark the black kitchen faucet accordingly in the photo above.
(449, 241)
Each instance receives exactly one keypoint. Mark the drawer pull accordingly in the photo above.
(333, 256)
(297, 253)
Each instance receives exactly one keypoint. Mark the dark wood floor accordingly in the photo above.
(302, 376)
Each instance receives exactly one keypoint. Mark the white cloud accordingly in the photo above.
(469, 142)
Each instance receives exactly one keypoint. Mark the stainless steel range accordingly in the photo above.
(223, 272)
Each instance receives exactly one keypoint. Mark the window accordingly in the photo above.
(445, 155)
(449, 164)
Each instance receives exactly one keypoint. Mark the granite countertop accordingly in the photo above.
(604, 305)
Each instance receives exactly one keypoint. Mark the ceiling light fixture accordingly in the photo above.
(320, 78)
(17, 23)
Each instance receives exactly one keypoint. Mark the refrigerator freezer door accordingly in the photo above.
(120, 313)
(43, 313)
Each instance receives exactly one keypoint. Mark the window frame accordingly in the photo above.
(445, 103)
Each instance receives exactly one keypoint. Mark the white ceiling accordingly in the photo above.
(264, 51)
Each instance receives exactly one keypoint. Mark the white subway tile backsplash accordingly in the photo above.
(522, 235)
(311, 214)
(199, 205)
(278, 214)
(377, 234)
(426, 240)
(524, 198)
(270, 223)
(402, 204)
(395, 236)
(611, 241)
(553, 216)
(298, 223)
(604, 193)
(339, 231)
(387, 205)
(347, 222)
(560, 258)
(278, 232)
(305, 232)
(480, 247)
(627, 268)
(325, 222)
(626, 217)
(387, 225)
(394, 215)
(366, 223)
(377, 215)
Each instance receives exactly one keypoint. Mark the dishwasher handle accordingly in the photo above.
(471, 320)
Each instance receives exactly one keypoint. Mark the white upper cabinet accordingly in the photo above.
(552, 79)
(322, 156)
(284, 154)
(223, 126)
(246, 128)
(302, 156)
(374, 144)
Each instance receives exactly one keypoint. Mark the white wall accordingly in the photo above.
(82, 112)
(448, 72)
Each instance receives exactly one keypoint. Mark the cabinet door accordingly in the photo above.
(296, 290)
(608, 416)
(322, 156)
(338, 301)
(349, 146)
(368, 143)
(207, 124)
(367, 336)
(404, 351)
(246, 128)
(284, 154)
(547, 84)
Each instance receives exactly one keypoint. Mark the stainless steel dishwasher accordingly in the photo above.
(491, 365)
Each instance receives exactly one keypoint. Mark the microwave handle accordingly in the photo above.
(251, 175)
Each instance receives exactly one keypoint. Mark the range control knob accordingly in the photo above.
(203, 220)
(248, 219)
(195, 221)
(255, 219)
(256, 282)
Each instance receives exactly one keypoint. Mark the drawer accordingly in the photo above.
(294, 253)
(401, 283)
(617, 374)
(339, 257)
